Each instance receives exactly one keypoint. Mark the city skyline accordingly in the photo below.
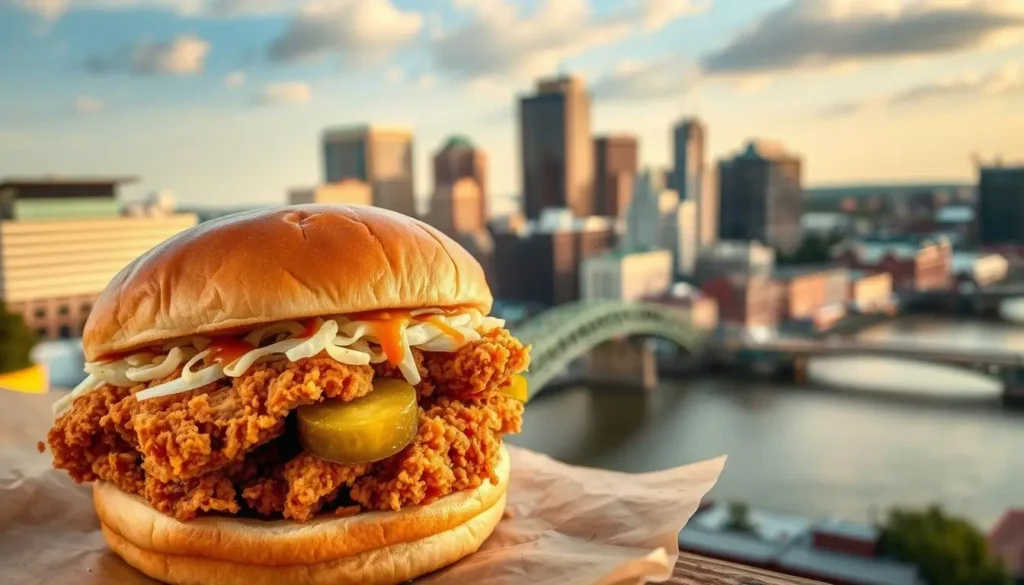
(224, 103)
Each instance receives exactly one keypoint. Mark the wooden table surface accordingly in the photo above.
(696, 570)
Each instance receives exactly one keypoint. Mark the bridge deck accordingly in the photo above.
(917, 352)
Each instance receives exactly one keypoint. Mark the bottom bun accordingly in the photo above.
(370, 548)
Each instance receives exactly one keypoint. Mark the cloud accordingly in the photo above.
(53, 9)
(827, 33)
(426, 81)
(360, 32)
(235, 79)
(500, 41)
(663, 78)
(1008, 80)
(183, 55)
(289, 92)
(87, 105)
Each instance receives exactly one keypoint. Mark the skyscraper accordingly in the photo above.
(691, 177)
(380, 156)
(459, 159)
(762, 197)
(615, 162)
(557, 152)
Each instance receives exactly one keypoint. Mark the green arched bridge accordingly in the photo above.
(562, 334)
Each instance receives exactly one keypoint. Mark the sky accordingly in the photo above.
(223, 101)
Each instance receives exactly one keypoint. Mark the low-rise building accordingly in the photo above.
(806, 290)
(538, 262)
(832, 551)
(973, 270)
(346, 191)
(870, 292)
(733, 257)
(1006, 540)
(701, 309)
(750, 301)
(915, 266)
(626, 276)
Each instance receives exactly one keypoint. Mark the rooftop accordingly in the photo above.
(358, 130)
(846, 529)
(797, 270)
(458, 141)
(765, 150)
(831, 565)
(736, 546)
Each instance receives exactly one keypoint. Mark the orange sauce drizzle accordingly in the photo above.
(445, 328)
(310, 327)
(228, 349)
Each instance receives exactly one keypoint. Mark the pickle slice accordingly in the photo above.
(517, 388)
(370, 428)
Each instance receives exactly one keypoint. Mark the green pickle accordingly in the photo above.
(366, 429)
(517, 388)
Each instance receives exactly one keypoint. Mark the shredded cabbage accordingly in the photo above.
(345, 341)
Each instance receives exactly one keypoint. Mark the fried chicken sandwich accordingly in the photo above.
(309, 394)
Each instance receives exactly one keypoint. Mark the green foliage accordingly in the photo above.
(739, 519)
(814, 249)
(945, 549)
(16, 342)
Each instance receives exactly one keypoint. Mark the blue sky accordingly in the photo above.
(222, 101)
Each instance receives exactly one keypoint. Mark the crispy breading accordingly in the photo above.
(227, 448)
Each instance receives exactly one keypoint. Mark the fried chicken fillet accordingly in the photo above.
(224, 448)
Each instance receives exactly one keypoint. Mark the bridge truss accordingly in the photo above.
(565, 333)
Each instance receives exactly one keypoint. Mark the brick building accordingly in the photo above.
(744, 300)
(927, 265)
(805, 291)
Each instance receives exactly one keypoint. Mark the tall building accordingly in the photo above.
(762, 197)
(346, 191)
(1001, 206)
(62, 240)
(557, 152)
(626, 276)
(459, 202)
(377, 155)
(643, 218)
(692, 178)
(687, 241)
(615, 168)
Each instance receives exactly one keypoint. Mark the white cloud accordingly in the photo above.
(235, 79)
(360, 32)
(52, 9)
(289, 92)
(87, 105)
(499, 41)
(1008, 80)
(662, 78)
(183, 55)
(827, 33)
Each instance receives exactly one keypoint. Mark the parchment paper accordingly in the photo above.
(564, 524)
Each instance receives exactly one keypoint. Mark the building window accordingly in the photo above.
(65, 332)
(42, 332)
(63, 310)
(86, 307)
(40, 312)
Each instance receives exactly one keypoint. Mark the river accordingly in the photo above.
(864, 435)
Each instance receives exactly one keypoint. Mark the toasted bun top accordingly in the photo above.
(294, 262)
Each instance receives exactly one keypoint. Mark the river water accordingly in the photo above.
(864, 435)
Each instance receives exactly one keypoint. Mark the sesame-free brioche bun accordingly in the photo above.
(370, 548)
(270, 265)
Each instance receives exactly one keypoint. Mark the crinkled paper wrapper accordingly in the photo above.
(564, 524)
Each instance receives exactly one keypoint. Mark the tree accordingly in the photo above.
(945, 549)
(739, 519)
(16, 342)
